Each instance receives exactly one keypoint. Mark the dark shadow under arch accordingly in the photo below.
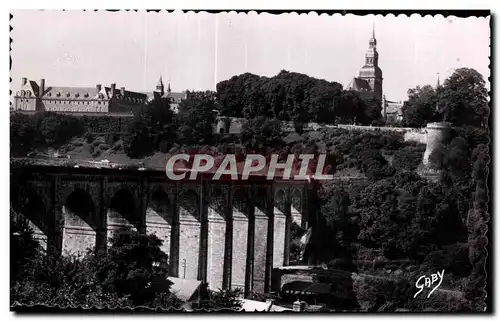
(32, 207)
(160, 203)
(296, 199)
(280, 201)
(190, 205)
(80, 204)
(123, 203)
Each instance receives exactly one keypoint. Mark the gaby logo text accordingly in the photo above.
(296, 167)
(427, 281)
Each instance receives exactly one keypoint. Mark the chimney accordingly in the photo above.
(98, 87)
(42, 87)
(122, 91)
(113, 87)
(24, 81)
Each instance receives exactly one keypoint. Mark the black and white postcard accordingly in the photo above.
(249, 161)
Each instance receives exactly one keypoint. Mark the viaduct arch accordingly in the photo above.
(229, 234)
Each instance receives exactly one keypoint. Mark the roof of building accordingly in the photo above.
(184, 289)
(270, 306)
(370, 70)
(393, 107)
(35, 87)
(30, 89)
(89, 93)
(79, 93)
(303, 287)
(359, 84)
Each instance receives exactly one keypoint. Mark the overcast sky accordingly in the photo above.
(195, 51)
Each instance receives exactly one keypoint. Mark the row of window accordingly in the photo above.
(68, 95)
(95, 109)
(72, 102)
(24, 93)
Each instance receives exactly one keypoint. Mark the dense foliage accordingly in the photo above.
(462, 101)
(43, 129)
(294, 97)
(133, 272)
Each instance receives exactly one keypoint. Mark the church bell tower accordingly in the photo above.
(371, 72)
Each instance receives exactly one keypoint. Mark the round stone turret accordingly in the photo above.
(437, 134)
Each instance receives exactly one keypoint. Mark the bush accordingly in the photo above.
(373, 293)
(117, 146)
(222, 299)
(89, 138)
(90, 148)
(440, 301)
(453, 258)
(408, 158)
(57, 128)
(124, 277)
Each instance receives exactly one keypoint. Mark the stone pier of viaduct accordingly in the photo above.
(230, 234)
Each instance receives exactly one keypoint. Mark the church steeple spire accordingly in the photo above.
(159, 87)
(371, 71)
(373, 40)
(438, 83)
(168, 87)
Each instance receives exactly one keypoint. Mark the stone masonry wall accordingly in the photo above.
(279, 238)
(189, 245)
(216, 244)
(239, 257)
(260, 251)
(78, 236)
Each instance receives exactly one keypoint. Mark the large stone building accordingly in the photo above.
(33, 96)
(370, 79)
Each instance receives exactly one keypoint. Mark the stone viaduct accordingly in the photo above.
(230, 234)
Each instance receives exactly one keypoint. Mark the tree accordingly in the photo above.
(477, 229)
(134, 266)
(261, 133)
(132, 273)
(24, 248)
(349, 107)
(196, 118)
(287, 96)
(227, 299)
(231, 93)
(161, 120)
(463, 99)
(23, 134)
(373, 108)
(338, 224)
(57, 129)
(408, 158)
(421, 107)
(138, 143)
